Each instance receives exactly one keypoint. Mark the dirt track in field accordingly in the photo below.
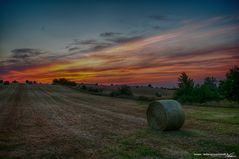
(47, 121)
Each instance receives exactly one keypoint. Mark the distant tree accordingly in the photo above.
(185, 81)
(208, 91)
(72, 83)
(96, 90)
(1, 81)
(84, 87)
(124, 90)
(230, 86)
(211, 82)
(14, 81)
(158, 94)
(55, 81)
(34, 82)
(185, 91)
(6, 82)
(63, 81)
(28, 82)
(149, 85)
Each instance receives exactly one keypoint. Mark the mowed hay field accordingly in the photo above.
(50, 121)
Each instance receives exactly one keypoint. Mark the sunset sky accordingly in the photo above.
(119, 42)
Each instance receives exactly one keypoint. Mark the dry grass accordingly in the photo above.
(45, 121)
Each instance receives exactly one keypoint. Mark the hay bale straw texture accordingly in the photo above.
(165, 115)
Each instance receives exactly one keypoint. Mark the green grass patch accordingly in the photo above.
(207, 130)
(130, 147)
(220, 115)
(212, 146)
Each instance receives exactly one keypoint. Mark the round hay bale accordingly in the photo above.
(165, 115)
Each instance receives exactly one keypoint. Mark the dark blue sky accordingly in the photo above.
(51, 24)
(111, 40)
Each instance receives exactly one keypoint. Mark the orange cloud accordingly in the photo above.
(154, 59)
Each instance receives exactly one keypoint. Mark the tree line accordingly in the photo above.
(188, 91)
(210, 89)
(15, 81)
(63, 81)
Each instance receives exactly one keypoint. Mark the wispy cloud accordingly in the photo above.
(202, 48)
(70, 49)
(84, 42)
(109, 34)
(26, 53)
(124, 39)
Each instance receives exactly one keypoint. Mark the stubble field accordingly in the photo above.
(50, 121)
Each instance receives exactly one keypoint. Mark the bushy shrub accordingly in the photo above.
(14, 81)
(91, 89)
(115, 93)
(122, 91)
(208, 91)
(189, 92)
(146, 98)
(6, 82)
(55, 81)
(83, 87)
(28, 82)
(63, 81)
(229, 87)
(126, 90)
(97, 90)
(158, 94)
(185, 90)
